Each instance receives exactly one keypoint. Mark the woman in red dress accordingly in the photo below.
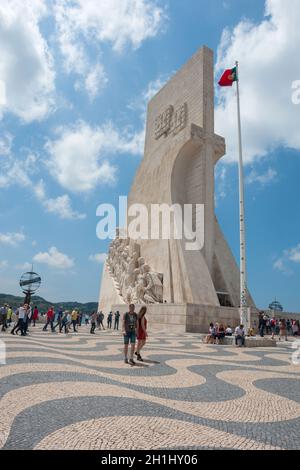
(141, 332)
(35, 315)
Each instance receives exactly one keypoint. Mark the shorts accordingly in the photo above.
(129, 337)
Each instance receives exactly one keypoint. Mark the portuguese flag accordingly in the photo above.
(228, 77)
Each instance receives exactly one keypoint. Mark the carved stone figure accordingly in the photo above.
(133, 279)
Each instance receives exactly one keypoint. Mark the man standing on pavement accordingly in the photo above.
(117, 318)
(129, 330)
(74, 317)
(93, 322)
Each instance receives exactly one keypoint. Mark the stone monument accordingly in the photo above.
(187, 288)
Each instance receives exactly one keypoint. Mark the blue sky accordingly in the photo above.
(77, 78)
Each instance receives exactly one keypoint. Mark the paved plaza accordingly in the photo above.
(75, 392)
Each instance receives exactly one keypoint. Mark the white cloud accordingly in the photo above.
(294, 254)
(288, 257)
(78, 158)
(2, 93)
(39, 190)
(54, 258)
(61, 206)
(99, 257)
(95, 81)
(261, 178)
(115, 22)
(26, 64)
(12, 239)
(137, 140)
(24, 267)
(5, 144)
(3, 264)
(16, 172)
(220, 184)
(266, 52)
(153, 87)
(140, 103)
(280, 265)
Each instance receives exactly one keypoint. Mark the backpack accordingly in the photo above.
(130, 326)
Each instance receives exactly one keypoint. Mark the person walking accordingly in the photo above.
(35, 315)
(268, 325)
(117, 319)
(20, 323)
(142, 334)
(98, 320)
(273, 327)
(129, 329)
(289, 327)
(65, 322)
(93, 322)
(59, 317)
(86, 319)
(295, 328)
(49, 319)
(261, 324)
(3, 317)
(74, 318)
(16, 321)
(282, 329)
(9, 315)
(27, 319)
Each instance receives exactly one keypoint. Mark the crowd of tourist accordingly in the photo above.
(217, 332)
(134, 326)
(267, 325)
(277, 326)
(61, 320)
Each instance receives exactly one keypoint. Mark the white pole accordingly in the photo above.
(243, 282)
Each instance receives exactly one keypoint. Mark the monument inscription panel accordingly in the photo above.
(170, 121)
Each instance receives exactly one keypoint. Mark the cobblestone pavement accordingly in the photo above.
(75, 392)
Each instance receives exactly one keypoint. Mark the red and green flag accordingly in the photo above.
(228, 77)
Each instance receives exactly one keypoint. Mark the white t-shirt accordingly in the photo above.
(239, 331)
(22, 313)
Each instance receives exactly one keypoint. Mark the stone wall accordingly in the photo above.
(171, 317)
(181, 318)
(199, 317)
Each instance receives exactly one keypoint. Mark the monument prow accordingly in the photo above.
(181, 150)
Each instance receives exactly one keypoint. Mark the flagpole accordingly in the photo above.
(244, 316)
